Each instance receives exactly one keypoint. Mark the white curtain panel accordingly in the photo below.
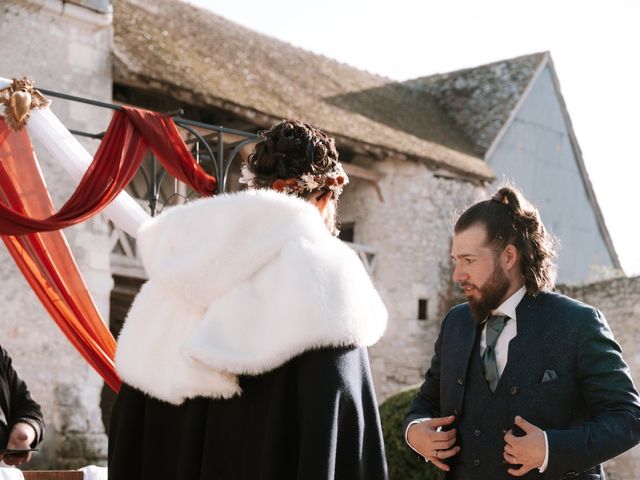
(92, 472)
(10, 473)
(48, 130)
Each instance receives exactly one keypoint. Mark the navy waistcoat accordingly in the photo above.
(485, 418)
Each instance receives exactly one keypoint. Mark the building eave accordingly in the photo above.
(437, 162)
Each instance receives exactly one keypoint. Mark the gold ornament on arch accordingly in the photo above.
(19, 99)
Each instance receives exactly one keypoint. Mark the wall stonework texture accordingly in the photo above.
(65, 48)
(619, 300)
(411, 231)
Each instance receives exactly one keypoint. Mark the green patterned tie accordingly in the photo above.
(495, 325)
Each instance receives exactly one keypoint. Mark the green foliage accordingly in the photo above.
(403, 463)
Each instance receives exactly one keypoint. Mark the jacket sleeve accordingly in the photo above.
(426, 403)
(21, 407)
(611, 399)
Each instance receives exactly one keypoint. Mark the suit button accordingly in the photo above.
(455, 412)
(476, 462)
(461, 381)
(477, 433)
(515, 390)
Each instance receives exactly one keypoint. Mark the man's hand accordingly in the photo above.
(21, 437)
(528, 451)
(433, 445)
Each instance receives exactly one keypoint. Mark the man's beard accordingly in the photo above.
(490, 295)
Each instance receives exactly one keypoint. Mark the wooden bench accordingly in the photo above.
(53, 475)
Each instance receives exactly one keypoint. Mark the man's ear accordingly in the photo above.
(510, 256)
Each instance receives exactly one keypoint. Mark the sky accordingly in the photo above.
(595, 47)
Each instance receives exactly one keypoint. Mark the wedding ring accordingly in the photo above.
(435, 453)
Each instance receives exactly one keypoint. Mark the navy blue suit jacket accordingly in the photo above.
(590, 412)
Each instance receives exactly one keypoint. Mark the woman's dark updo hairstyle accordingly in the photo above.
(289, 150)
(510, 219)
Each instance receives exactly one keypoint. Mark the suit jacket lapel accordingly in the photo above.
(522, 345)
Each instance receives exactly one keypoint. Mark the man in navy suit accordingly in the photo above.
(523, 382)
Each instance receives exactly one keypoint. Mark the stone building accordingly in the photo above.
(514, 114)
(404, 187)
(416, 152)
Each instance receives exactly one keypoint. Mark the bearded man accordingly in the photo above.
(523, 382)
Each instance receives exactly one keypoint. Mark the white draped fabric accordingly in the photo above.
(92, 472)
(45, 128)
(10, 473)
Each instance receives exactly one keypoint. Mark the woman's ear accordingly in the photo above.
(321, 200)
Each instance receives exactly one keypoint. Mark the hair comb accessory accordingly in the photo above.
(334, 180)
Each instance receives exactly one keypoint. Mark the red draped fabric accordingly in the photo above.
(30, 227)
(129, 136)
(46, 260)
(162, 136)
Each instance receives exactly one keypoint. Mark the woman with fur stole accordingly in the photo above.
(244, 355)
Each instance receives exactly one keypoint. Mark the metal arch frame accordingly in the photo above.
(154, 179)
(221, 166)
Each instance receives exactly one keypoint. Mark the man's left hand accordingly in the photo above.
(21, 436)
(527, 451)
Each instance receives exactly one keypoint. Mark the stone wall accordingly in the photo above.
(619, 300)
(411, 231)
(66, 48)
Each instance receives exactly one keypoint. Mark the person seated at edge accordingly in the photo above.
(243, 356)
(21, 423)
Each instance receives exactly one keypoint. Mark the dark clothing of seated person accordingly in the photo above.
(21, 423)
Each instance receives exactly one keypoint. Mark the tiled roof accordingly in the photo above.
(169, 46)
(479, 100)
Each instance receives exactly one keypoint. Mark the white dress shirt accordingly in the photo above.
(509, 331)
(508, 308)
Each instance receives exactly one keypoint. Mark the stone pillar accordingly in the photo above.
(80, 438)
(67, 48)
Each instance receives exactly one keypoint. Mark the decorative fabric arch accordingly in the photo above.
(32, 230)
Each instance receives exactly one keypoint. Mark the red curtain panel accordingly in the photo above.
(31, 229)
(130, 135)
(164, 140)
(46, 261)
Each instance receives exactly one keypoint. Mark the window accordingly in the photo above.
(347, 232)
(346, 156)
(422, 308)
